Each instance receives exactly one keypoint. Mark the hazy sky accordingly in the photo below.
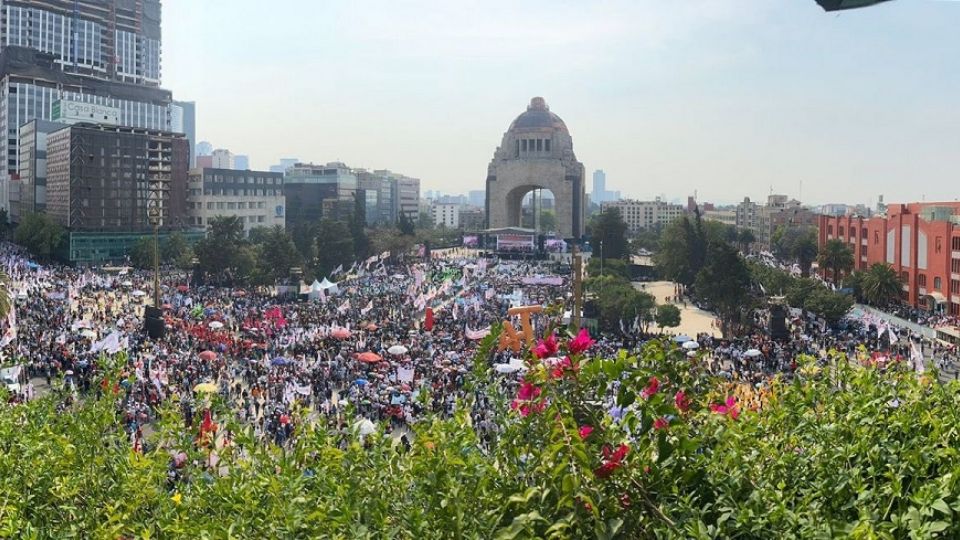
(727, 97)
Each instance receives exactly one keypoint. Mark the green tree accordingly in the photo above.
(724, 283)
(548, 221)
(745, 239)
(608, 235)
(648, 239)
(221, 254)
(5, 227)
(804, 250)
(141, 254)
(425, 221)
(611, 267)
(406, 225)
(277, 254)
(668, 316)
(334, 247)
(836, 257)
(880, 285)
(174, 249)
(828, 304)
(39, 234)
(391, 239)
(304, 236)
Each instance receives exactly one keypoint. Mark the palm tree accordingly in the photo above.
(836, 257)
(804, 250)
(881, 285)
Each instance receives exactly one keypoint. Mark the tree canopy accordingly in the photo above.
(608, 235)
(39, 234)
(836, 257)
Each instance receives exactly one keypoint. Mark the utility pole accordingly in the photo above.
(577, 286)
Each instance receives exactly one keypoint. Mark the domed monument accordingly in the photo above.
(536, 153)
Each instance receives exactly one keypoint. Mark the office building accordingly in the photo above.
(183, 119)
(378, 193)
(727, 216)
(32, 184)
(311, 189)
(445, 215)
(204, 148)
(600, 194)
(100, 180)
(921, 241)
(241, 162)
(284, 164)
(256, 197)
(92, 52)
(477, 197)
(222, 159)
(406, 196)
(645, 215)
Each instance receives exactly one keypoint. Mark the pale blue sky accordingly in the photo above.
(727, 97)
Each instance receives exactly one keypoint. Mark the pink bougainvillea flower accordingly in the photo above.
(652, 386)
(681, 400)
(585, 431)
(525, 400)
(546, 347)
(661, 423)
(566, 365)
(729, 408)
(581, 343)
(612, 460)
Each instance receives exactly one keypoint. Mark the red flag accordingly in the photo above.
(428, 320)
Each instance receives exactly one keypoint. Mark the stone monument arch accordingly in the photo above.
(536, 153)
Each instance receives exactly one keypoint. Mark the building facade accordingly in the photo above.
(222, 159)
(183, 119)
(100, 180)
(536, 152)
(241, 162)
(445, 215)
(256, 197)
(645, 215)
(406, 196)
(315, 192)
(378, 195)
(32, 185)
(921, 241)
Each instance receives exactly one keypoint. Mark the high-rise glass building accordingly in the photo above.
(97, 52)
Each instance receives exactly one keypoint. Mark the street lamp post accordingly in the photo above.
(154, 214)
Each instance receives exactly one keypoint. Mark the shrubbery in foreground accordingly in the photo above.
(840, 452)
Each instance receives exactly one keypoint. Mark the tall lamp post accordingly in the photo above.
(154, 215)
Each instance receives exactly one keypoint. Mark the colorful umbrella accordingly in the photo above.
(206, 388)
(340, 333)
(369, 357)
(209, 356)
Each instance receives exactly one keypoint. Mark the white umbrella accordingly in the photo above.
(88, 334)
(397, 350)
(682, 338)
(127, 284)
(691, 345)
(691, 354)
(216, 325)
(138, 292)
(753, 353)
(365, 427)
(506, 368)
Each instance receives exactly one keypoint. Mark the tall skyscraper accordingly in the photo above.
(184, 120)
(59, 52)
(599, 186)
(204, 148)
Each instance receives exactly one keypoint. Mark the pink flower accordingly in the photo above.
(661, 423)
(546, 347)
(580, 343)
(585, 431)
(652, 386)
(562, 366)
(681, 401)
(525, 400)
(612, 460)
(730, 408)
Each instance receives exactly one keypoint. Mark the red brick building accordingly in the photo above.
(920, 240)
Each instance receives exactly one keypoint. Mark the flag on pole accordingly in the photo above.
(337, 270)
(916, 357)
(344, 306)
(364, 311)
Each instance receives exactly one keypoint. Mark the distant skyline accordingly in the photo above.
(726, 97)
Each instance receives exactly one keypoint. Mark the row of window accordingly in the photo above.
(532, 145)
(241, 205)
(243, 192)
(248, 219)
(260, 180)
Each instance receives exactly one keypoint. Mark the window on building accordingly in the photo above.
(955, 286)
(840, 231)
(922, 280)
(523, 145)
(937, 284)
(954, 309)
(905, 278)
(546, 145)
(956, 243)
(829, 229)
(863, 232)
(539, 145)
(955, 266)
